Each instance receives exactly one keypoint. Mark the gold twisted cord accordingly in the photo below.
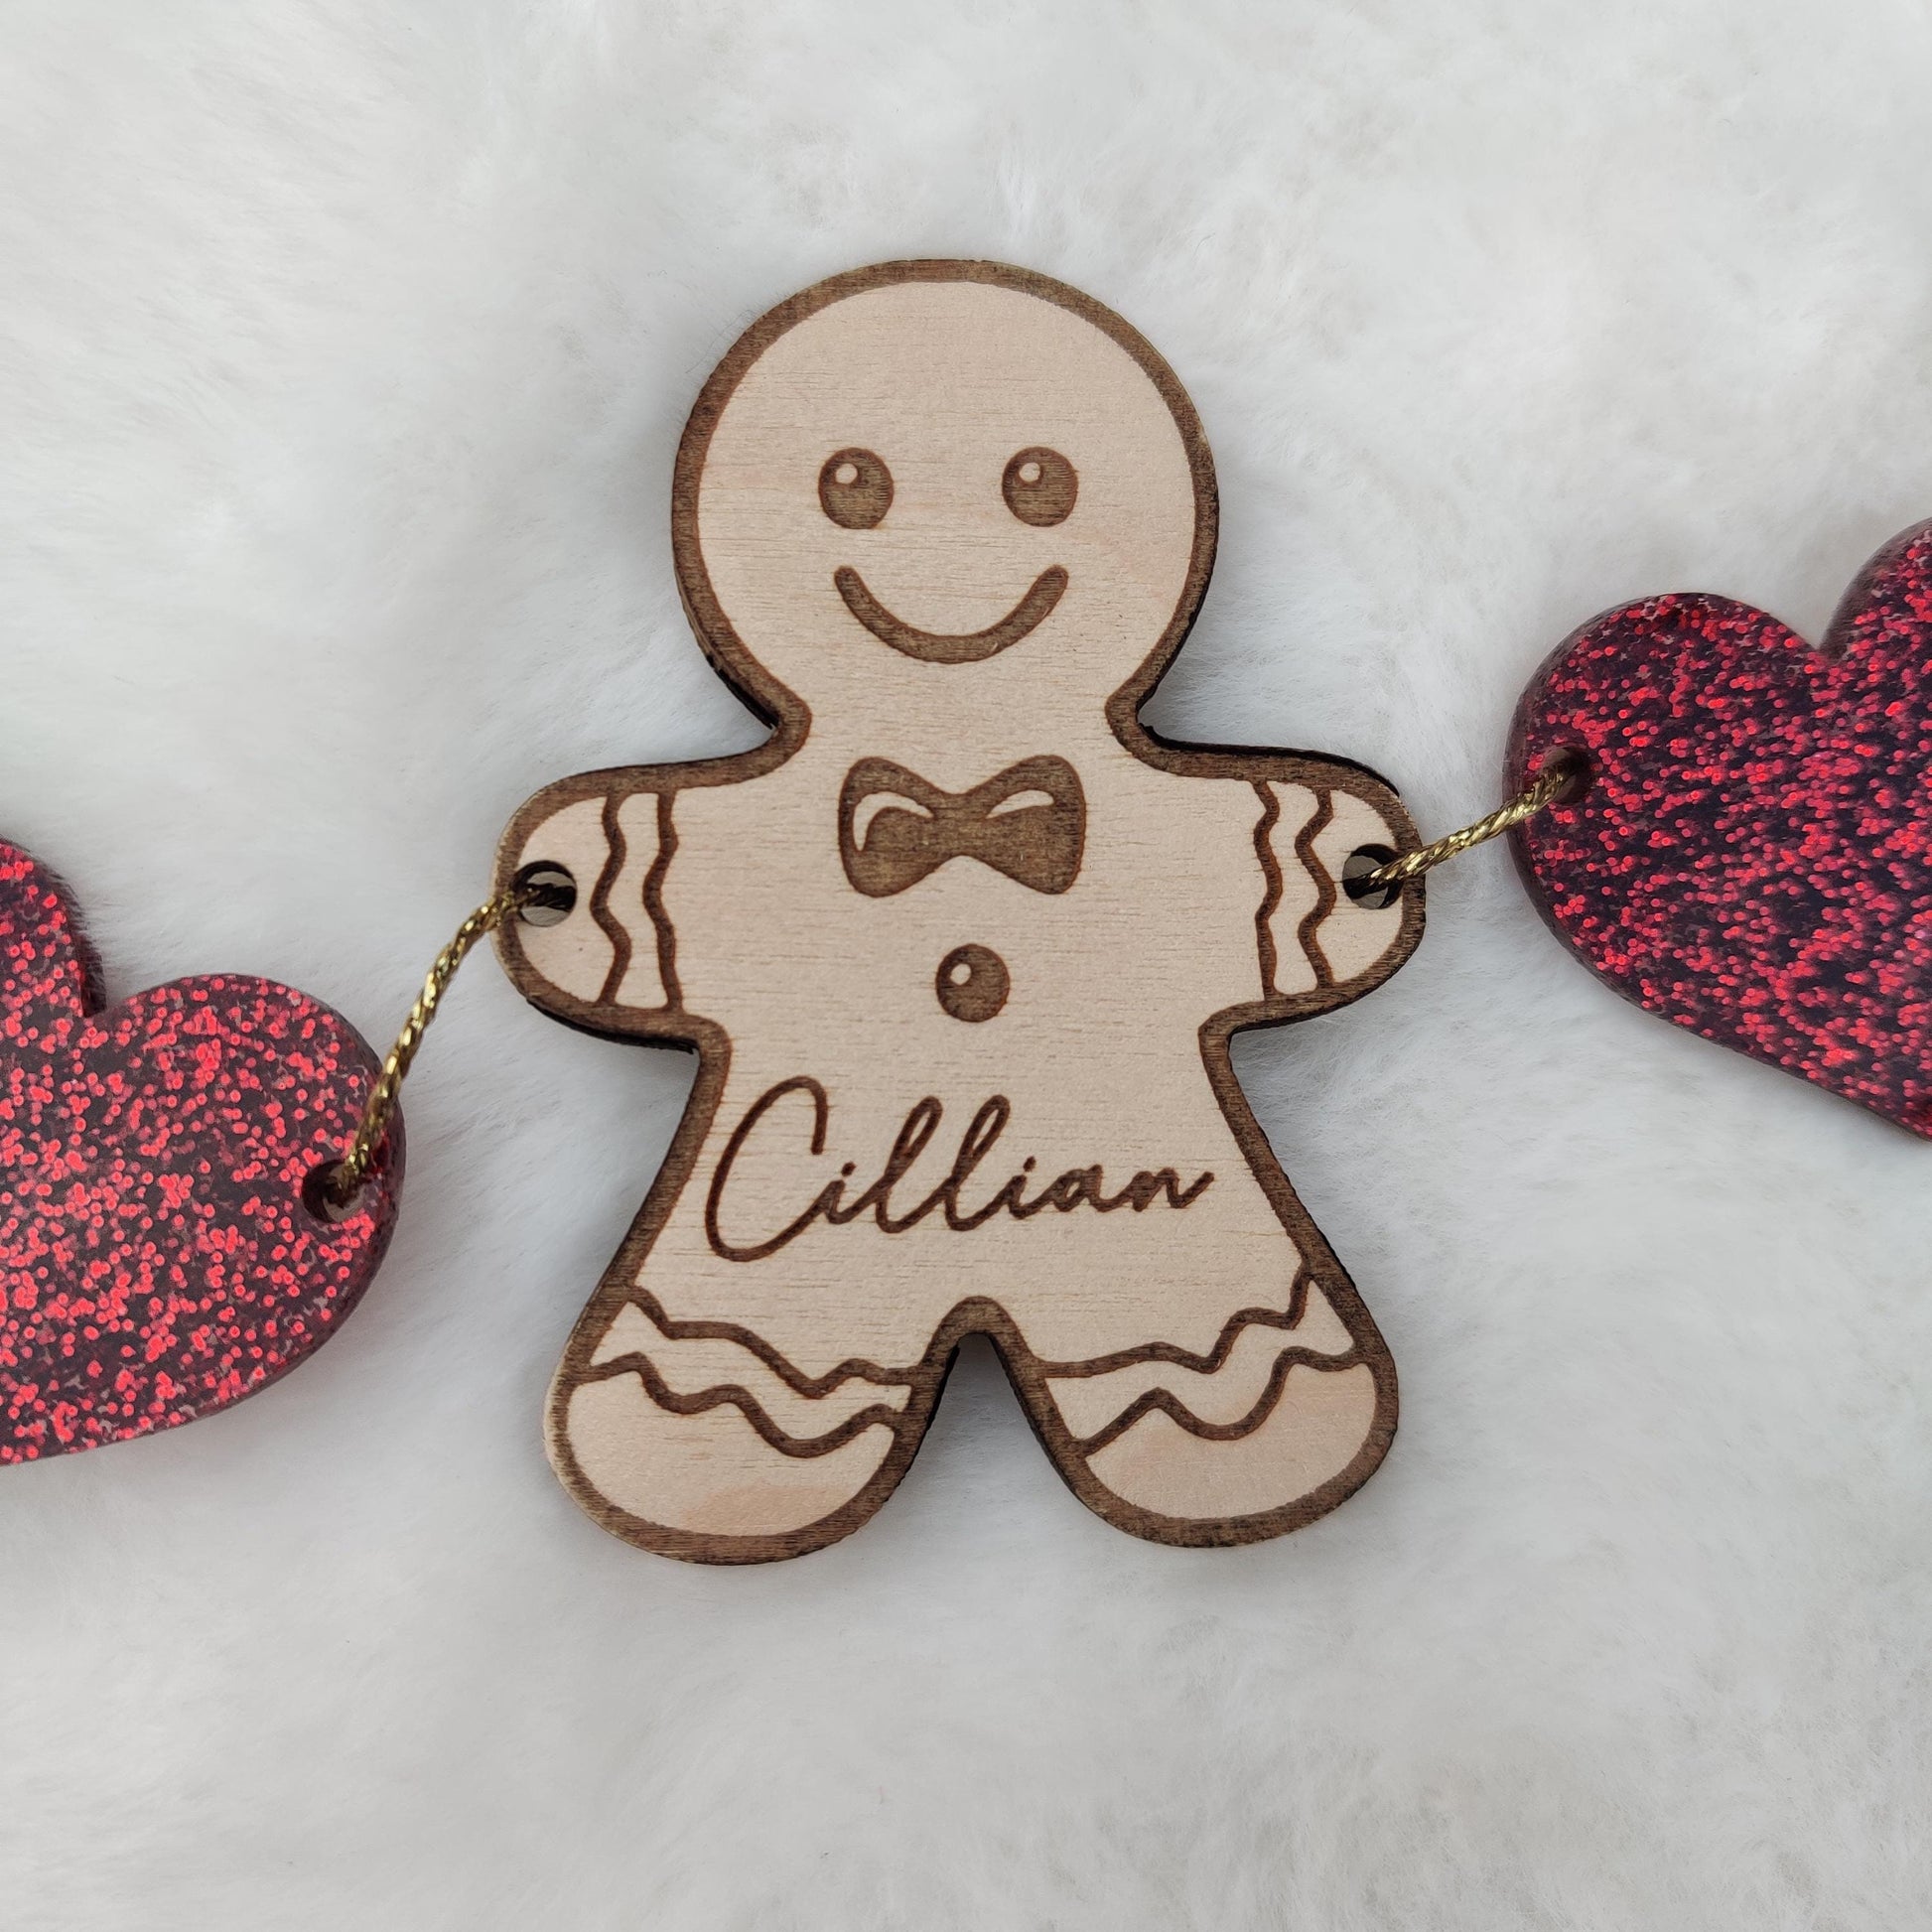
(1556, 777)
(347, 1179)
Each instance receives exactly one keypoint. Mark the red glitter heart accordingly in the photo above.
(1752, 858)
(156, 1259)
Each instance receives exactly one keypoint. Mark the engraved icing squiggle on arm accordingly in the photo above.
(1313, 936)
(1297, 892)
(1308, 935)
(614, 946)
(613, 928)
(629, 902)
(655, 903)
(1354, 936)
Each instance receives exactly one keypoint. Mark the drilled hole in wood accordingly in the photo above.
(1356, 870)
(547, 893)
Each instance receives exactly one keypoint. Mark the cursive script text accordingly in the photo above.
(1077, 1187)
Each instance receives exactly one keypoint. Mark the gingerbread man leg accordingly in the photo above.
(1256, 1393)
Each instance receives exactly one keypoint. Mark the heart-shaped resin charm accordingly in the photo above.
(1753, 855)
(164, 1246)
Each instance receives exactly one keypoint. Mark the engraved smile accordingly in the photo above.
(950, 647)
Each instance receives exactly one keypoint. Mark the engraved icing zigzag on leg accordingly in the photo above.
(1319, 1424)
(707, 1481)
(1227, 1392)
(1273, 1422)
(797, 1413)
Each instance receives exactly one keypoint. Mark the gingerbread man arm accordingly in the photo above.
(610, 964)
(1318, 947)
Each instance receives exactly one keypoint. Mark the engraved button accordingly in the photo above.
(972, 983)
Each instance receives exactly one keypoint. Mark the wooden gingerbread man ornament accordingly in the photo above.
(960, 948)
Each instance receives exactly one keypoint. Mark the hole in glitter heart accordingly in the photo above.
(1356, 867)
(1578, 767)
(321, 1198)
(546, 894)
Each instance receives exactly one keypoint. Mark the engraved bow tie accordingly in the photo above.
(1028, 823)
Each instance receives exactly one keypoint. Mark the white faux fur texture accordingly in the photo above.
(344, 347)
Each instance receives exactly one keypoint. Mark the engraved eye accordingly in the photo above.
(1040, 487)
(855, 489)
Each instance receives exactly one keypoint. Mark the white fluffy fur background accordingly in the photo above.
(344, 347)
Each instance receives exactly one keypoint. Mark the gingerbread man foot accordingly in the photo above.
(1282, 1419)
(696, 1445)
(962, 947)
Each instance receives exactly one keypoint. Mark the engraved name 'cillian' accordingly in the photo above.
(1077, 1187)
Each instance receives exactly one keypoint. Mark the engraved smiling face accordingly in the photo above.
(910, 471)
(855, 490)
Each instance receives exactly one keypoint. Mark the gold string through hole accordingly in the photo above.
(546, 894)
(1562, 778)
(325, 1200)
(1360, 866)
(1577, 770)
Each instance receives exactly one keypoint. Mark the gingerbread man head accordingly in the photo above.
(978, 469)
